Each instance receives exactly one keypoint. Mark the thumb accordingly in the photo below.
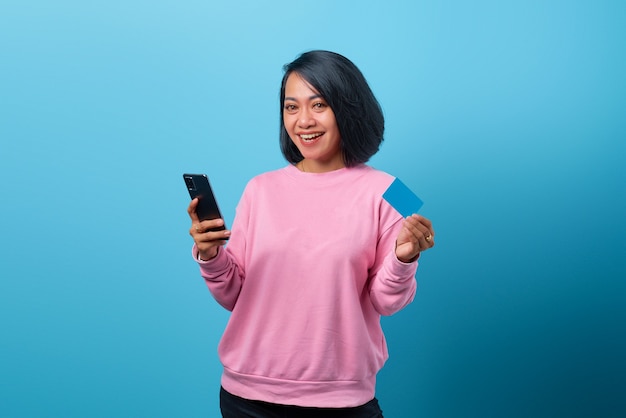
(191, 210)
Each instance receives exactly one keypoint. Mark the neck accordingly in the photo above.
(311, 166)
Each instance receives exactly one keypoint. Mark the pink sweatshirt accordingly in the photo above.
(309, 269)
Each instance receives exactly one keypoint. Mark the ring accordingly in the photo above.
(197, 229)
(428, 238)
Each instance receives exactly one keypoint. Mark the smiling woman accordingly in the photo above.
(312, 127)
(331, 83)
(319, 233)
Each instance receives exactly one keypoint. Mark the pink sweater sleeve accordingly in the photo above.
(222, 276)
(225, 274)
(392, 284)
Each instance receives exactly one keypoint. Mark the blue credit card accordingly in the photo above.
(402, 198)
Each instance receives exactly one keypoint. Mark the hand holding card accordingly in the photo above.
(417, 235)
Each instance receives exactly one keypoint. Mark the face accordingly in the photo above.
(311, 125)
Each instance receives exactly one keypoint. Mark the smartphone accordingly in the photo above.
(198, 186)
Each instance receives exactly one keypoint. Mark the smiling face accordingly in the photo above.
(311, 125)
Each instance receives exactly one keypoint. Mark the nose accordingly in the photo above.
(306, 119)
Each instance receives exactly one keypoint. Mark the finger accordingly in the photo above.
(416, 227)
(210, 236)
(216, 240)
(210, 225)
(210, 240)
(419, 233)
(191, 210)
(201, 227)
(207, 231)
(424, 221)
(429, 232)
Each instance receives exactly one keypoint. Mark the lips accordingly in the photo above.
(310, 138)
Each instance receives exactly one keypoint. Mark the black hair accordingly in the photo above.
(342, 85)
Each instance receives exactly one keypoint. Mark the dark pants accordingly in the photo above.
(235, 407)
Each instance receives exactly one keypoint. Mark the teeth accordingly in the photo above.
(308, 137)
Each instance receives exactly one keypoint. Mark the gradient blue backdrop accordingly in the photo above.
(506, 117)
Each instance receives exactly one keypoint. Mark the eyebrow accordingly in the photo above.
(315, 96)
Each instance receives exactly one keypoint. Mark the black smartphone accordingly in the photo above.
(198, 186)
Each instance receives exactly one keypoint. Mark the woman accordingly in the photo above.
(315, 256)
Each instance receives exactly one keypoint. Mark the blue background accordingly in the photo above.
(506, 117)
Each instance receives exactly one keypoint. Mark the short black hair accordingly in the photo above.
(342, 85)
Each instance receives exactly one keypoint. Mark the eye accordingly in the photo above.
(290, 108)
(319, 105)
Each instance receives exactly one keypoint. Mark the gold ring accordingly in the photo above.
(197, 229)
(428, 238)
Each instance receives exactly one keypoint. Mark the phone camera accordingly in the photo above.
(190, 183)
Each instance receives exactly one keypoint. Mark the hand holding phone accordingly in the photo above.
(208, 229)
